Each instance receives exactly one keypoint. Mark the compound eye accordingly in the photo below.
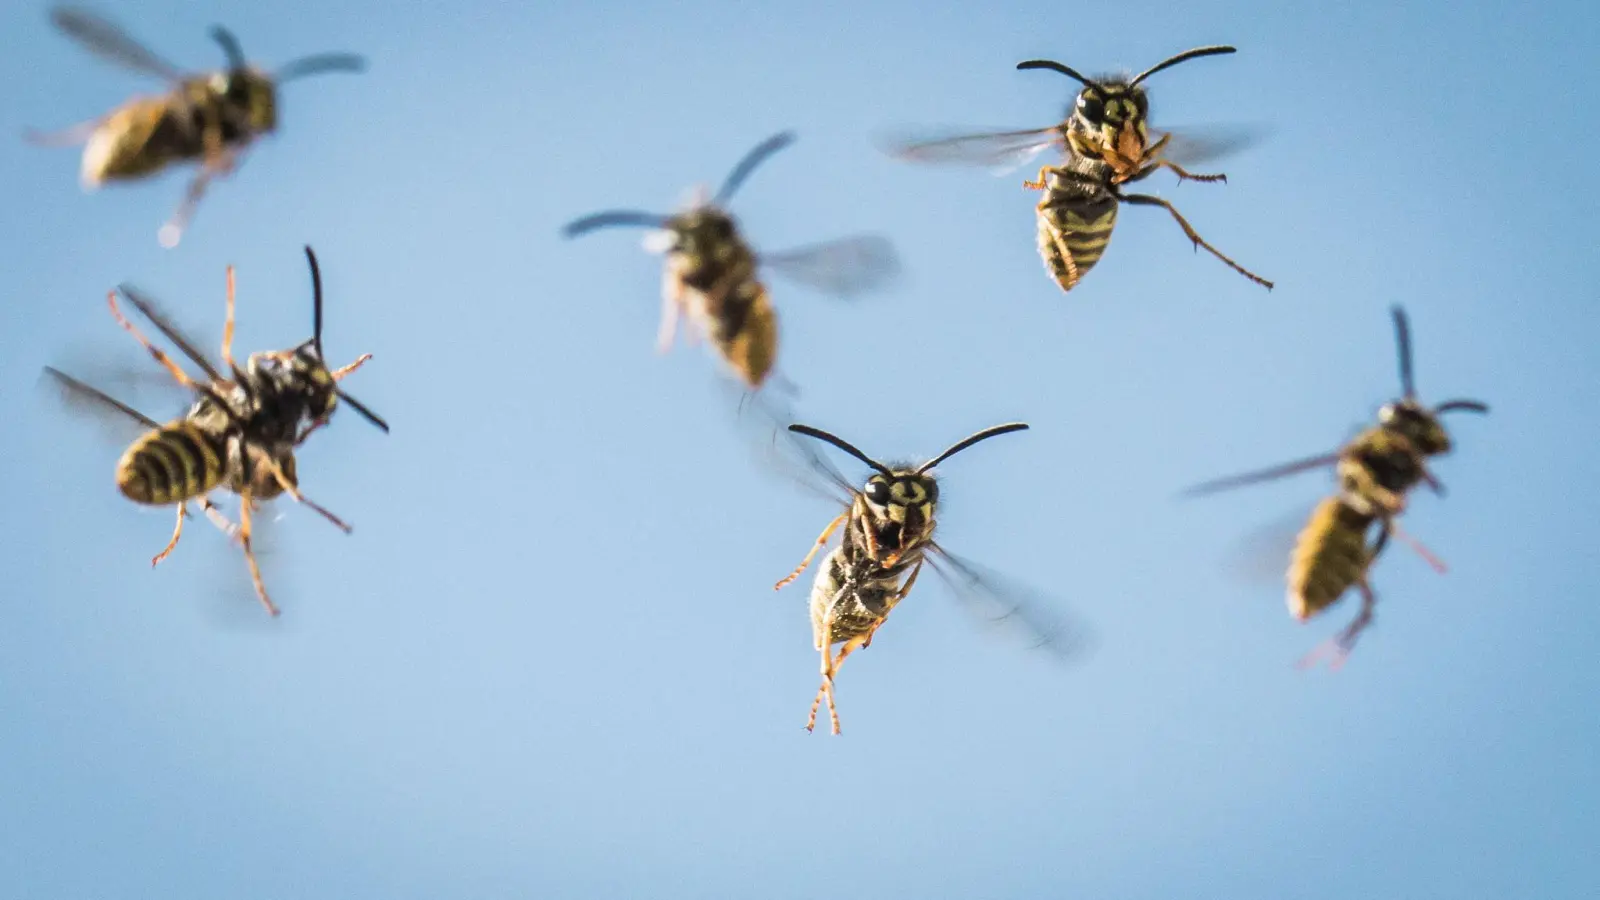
(932, 487)
(1091, 107)
(1141, 103)
(878, 492)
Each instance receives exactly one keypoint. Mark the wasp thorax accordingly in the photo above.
(705, 231)
(298, 383)
(1417, 425)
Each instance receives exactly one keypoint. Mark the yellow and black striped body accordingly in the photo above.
(711, 275)
(207, 113)
(860, 582)
(1076, 217)
(1330, 556)
(182, 460)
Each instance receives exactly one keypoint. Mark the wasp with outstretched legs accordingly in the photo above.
(1376, 471)
(209, 117)
(888, 529)
(240, 433)
(1105, 141)
(712, 274)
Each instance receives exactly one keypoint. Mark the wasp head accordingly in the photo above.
(705, 234)
(1417, 424)
(902, 498)
(1108, 119)
(297, 383)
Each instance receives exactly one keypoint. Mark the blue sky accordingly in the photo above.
(548, 662)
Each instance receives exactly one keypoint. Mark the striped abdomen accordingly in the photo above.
(176, 462)
(1073, 232)
(744, 329)
(1330, 556)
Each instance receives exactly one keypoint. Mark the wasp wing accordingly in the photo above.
(148, 307)
(1199, 144)
(110, 42)
(764, 420)
(1256, 477)
(998, 151)
(842, 268)
(1001, 601)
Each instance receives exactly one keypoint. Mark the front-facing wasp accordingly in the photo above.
(1105, 140)
(209, 117)
(711, 272)
(888, 535)
(1376, 470)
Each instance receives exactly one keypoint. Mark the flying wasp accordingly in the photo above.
(210, 117)
(1105, 141)
(242, 430)
(711, 273)
(1376, 471)
(888, 535)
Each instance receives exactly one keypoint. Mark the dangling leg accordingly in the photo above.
(1188, 230)
(249, 554)
(227, 327)
(1185, 175)
(293, 491)
(177, 532)
(1041, 183)
(827, 674)
(1420, 548)
(821, 540)
(671, 305)
(342, 372)
(217, 164)
(155, 352)
(218, 519)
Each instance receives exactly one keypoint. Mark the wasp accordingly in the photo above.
(210, 117)
(888, 536)
(1105, 142)
(240, 433)
(1376, 472)
(712, 273)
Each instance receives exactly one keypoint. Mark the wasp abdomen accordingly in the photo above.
(173, 463)
(1073, 233)
(1330, 556)
(858, 592)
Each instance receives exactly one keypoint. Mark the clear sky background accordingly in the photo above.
(549, 663)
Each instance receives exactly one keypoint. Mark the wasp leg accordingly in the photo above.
(1420, 548)
(156, 352)
(227, 327)
(1185, 175)
(219, 520)
(346, 370)
(826, 689)
(293, 491)
(177, 532)
(1188, 230)
(249, 554)
(1337, 648)
(1040, 184)
(221, 164)
(671, 306)
(823, 539)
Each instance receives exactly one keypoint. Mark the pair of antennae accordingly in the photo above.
(305, 65)
(955, 448)
(1402, 336)
(730, 185)
(1164, 64)
(316, 340)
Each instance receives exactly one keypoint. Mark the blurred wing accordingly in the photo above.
(841, 268)
(108, 41)
(764, 418)
(1200, 144)
(1261, 557)
(123, 422)
(1003, 602)
(999, 151)
(1233, 481)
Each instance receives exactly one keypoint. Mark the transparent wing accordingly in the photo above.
(1260, 475)
(841, 268)
(1260, 557)
(1001, 601)
(1200, 144)
(110, 42)
(999, 151)
(763, 418)
(120, 422)
(164, 323)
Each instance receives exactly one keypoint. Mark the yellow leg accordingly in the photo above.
(227, 326)
(249, 554)
(155, 352)
(1337, 648)
(1188, 230)
(340, 373)
(822, 540)
(1185, 175)
(671, 306)
(1037, 185)
(177, 532)
(293, 491)
(1420, 548)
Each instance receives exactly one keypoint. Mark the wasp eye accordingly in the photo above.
(878, 492)
(1091, 107)
(932, 487)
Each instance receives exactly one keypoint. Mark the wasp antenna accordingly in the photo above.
(320, 63)
(1477, 406)
(841, 443)
(1054, 66)
(1181, 57)
(316, 301)
(1402, 336)
(366, 413)
(230, 47)
(612, 218)
(966, 442)
(751, 160)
